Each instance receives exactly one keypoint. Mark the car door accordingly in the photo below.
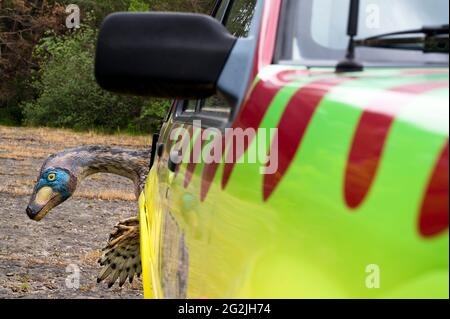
(358, 190)
(181, 242)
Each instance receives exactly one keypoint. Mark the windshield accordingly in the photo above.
(316, 30)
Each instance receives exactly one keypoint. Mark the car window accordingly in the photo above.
(239, 18)
(220, 14)
(238, 21)
(216, 106)
(190, 106)
(320, 37)
(236, 15)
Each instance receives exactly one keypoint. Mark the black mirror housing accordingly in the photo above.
(166, 55)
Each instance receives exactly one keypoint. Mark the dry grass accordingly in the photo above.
(108, 195)
(27, 144)
(16, 190)
(17, 173)
(19, 152)
(91, 257)
(68, 138)
(20, 143)
(25, 188)
(24, 182)
(31, 261)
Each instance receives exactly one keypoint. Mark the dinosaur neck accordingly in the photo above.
(89, 160)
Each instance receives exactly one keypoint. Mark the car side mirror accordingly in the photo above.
(166, 55)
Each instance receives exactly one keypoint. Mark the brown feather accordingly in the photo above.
(121, 256)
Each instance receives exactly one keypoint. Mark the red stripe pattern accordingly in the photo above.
(365, 154)
(371, 136)
(293, 125)
(434, 212)
(251, 117)
(209, 172)
(194, 158)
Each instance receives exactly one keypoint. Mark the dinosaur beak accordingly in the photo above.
(42, 202)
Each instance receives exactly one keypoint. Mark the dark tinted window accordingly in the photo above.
(239, 19)
(238, 22)
(189, 107)
(220, 14)
(237, 16)
(216, 106)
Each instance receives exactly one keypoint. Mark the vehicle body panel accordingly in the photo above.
(361, 187)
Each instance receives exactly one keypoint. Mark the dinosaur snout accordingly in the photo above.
(30, 212)
(42, 202)
(34, 212)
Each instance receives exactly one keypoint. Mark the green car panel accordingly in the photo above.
(358, 206)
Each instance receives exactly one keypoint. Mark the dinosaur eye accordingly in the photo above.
(51, 177)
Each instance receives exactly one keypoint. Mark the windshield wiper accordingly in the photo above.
(435, 40)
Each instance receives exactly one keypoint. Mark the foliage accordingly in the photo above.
(68, 95)
(22, 24)
(200, 6)
(136, 6)
(46, 70)
(150, 119)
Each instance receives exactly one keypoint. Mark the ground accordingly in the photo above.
(40, 259)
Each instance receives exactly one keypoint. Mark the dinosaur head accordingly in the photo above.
(54, 186)
(62, 172)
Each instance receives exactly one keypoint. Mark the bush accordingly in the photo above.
(68, 95)
(137, 5)
(62, 91)
(152, 113)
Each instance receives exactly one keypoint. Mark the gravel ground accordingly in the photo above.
(41, 259)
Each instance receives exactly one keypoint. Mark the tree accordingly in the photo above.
(22, 24)
(25, 77)
(68, 95)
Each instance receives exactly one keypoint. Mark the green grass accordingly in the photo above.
(7, 119)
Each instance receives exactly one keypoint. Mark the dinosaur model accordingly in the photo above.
(63, 172)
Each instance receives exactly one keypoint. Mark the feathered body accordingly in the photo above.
(88, 160)
(58, 179)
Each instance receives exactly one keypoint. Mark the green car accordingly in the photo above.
(306, 153)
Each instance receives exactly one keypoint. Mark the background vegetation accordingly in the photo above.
(46, 70)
